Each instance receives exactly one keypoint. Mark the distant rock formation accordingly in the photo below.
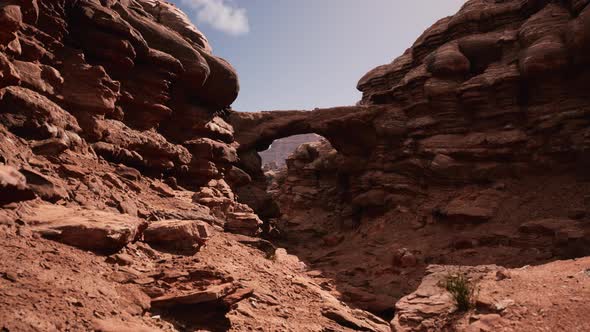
(274, 157)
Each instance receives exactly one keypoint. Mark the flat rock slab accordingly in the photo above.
(86, 229)
(177, 233)
(210, 294)
(114, 325)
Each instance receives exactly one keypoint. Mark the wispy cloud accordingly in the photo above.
(220, 14)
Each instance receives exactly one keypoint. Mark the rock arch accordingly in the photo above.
(352, 130)
(349, 129)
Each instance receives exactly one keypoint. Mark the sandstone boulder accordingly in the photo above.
(95, 230)
(11, 19)
(237, 177)
(246, 223)
(41, 78)
(88, 88)
(404, 258)
(213, 150)
(177, 234)
(9, 75)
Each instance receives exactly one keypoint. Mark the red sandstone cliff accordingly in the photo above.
(115, 213)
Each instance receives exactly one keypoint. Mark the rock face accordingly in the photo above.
(130, 82)
(481, 126)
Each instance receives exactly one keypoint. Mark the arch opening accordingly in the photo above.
(274, 158)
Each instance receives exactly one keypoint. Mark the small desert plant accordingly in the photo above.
(462, 289)
(271, 255)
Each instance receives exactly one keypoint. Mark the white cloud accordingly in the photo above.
(221, 15)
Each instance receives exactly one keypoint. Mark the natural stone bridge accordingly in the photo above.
(350, 129)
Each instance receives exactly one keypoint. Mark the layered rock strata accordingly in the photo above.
(88, 85)
(458, 147)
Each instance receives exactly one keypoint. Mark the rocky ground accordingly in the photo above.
(133, 198)
(233, 282)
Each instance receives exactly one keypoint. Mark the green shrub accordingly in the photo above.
(462, 289)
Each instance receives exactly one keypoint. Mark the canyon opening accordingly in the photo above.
(138, 194)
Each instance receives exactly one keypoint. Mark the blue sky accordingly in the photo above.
(302, 54)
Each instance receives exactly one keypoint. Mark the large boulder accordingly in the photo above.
(177, 234)
(86, 229)
(39, 77)
(212, 150)
(89, 88)
(246, 223)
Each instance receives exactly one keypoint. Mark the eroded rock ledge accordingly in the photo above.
(89, 85)
(115, 213)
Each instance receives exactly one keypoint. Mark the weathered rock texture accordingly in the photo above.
(227, 286)
(87, 85)
(116, 134)
(113, 139)
(458, 152)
